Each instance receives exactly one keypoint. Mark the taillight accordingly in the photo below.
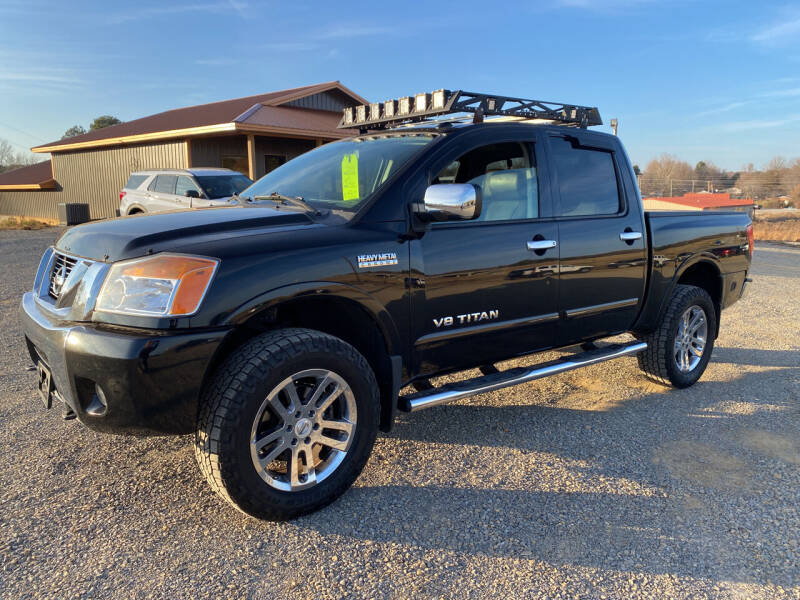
(122, 195)
(750, 240)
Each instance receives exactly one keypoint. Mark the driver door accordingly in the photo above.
(488, 293)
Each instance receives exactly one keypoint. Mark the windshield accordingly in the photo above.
(222, 186)
(342, 176)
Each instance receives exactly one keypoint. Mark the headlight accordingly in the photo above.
(163, 285)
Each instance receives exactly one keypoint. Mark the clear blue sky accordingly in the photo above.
(708, 80)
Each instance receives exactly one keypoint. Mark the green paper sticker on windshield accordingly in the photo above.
(350, 177)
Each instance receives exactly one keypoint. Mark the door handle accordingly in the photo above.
(630, 236)
(542, 244)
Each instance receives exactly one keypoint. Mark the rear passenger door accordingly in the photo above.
(161, 194)
(601, 236)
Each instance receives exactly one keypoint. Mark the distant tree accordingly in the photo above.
(667, 175)
(796, 196)
(6, 154)
(636, 170)
(706, 172)
(73, 131)
(104, 121)
(778, 178)
(9, 159)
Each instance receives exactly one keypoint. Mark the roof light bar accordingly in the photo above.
(404, 106)
(420, 103)
(424, 106)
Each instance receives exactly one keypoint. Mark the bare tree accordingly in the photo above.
(6, 154)
(9, 159)
(666, 175)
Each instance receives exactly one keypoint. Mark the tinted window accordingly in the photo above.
(183, 184)
(587, 181)
(164, 184)
(222, 186)
(272, 162)
(342, 175)
(236, 163)
(134, 181)
(506, 175)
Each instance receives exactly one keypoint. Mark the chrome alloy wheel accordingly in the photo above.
(690, 341)
(303, 429)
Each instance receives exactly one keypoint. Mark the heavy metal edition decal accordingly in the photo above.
(381, 259)
(464, 319)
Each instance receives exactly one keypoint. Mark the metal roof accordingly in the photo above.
(34, 177)
(261, 113)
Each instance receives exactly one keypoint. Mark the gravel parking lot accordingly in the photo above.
(593, 484)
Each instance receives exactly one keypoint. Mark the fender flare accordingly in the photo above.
(286, 293)
(695, 259)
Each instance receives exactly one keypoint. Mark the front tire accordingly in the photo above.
(287, 423)
(678, 351)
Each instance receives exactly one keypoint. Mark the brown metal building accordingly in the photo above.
(252, 135)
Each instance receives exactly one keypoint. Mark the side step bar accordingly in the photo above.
(502, 379)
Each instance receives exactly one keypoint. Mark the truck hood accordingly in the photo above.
(130, 237)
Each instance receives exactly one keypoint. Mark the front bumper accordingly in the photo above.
(149, 381)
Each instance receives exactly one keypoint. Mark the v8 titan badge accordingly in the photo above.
(381, 259)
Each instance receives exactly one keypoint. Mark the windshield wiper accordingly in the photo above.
(282, 200)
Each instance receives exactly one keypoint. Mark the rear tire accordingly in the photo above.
(287, 423)
(678, 351)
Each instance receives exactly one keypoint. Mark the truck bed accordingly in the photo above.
(679, 239)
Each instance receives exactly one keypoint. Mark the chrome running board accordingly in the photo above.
(502, 379)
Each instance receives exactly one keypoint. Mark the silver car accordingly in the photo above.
(160, 190)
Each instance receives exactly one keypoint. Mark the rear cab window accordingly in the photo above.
(586, 178)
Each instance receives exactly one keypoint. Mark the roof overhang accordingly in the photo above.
(142, 137)
(206, 130)
(43, 185)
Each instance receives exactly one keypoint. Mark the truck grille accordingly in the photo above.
(62, 267)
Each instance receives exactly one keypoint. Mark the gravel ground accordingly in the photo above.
(593, 484)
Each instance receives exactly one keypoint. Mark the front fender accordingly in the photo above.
(282, 294)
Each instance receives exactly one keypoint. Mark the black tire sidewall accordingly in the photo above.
(256, 493)
(679, 378)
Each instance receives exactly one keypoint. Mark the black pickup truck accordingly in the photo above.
(284, 331)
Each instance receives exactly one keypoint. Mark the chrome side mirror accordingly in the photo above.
(452, 202)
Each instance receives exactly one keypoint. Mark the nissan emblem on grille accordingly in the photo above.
(62, 267)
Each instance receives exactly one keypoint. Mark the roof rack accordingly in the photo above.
(424, 107)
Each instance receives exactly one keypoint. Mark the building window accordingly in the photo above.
(272, 162)
(236, 163)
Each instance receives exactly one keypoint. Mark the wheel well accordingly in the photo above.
(706, 276)
(135, 211)
(339, 317)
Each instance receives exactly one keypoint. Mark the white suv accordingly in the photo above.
(159, 190)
